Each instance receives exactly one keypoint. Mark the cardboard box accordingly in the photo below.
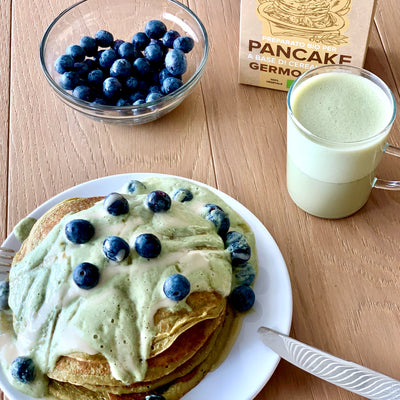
(281, 39)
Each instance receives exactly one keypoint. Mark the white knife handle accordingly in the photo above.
(351, 376)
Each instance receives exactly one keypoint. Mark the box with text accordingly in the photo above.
(281, 39)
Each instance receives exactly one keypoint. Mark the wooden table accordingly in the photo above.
(345, 274)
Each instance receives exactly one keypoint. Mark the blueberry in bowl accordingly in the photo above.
(109, 60)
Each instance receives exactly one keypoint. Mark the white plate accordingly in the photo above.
(249, 364)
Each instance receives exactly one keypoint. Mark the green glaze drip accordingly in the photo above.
(23, 228)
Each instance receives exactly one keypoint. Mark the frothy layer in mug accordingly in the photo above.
(341, 107)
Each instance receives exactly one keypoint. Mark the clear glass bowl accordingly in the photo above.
(123, 18)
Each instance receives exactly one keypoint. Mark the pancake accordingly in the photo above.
(178, 384)
(124, 337)
(49, 219)
(85, 370)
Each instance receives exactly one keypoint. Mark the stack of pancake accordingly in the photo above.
(177, 363)
(184, 347)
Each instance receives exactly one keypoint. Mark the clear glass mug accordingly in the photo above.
(330, 171)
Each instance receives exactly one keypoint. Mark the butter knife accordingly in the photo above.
(348, 375)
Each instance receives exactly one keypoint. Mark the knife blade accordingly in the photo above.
(348, 375)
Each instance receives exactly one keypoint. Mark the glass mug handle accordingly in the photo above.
(384, 184)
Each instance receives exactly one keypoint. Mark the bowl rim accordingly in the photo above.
(100, 107)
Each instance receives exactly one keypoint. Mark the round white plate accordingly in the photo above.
(249, 364)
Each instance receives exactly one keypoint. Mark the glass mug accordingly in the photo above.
(338, 118)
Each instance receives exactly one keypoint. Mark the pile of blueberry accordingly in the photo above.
(242, 297)
(147, 245)
(105, 71)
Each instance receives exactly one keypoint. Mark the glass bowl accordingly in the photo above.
(123, 18)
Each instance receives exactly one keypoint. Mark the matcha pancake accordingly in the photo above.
(123, 296)
(172, 387)
(48, 220)
(83, 369)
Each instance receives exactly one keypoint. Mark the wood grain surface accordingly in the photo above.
(5, 37)
(345, 274)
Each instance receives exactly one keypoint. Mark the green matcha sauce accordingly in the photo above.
(52, 316)
(22, 229)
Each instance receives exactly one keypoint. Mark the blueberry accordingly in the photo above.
(141, 66)
(138, 102)
(153, 78)
(242, 298)
(23, 369)
(4, 292)
(155, 29)
(153, 96)
(142, 86)
(140, 40)
(154, 89)
(182, 195)
(82, 69)
(129, 51)
(122, 103)
(159, 44)
(209, 207)
(63, 64)
(158, 201)
(111, 87)
(148, 245)
(115, 248)
(76, 52)
(116, 204)
(83, 92)
(92, 64)
(184, 43)
(79, 231)
(86, 275)
(133, 98)
(244, 274)
(175, 62)
(121, 68)
(98, 55)
(89, 45)
(69, 80)
(176, 287)
(164, 73)
(100, 100)
(154, 397)
(154, 53)
(219, 218)
(95, 78)
(169, 37)
(117, 44)
(131, 84)
(170, 85)
(107, 58)
(238, 248)
(104, 38)
(232, 237)
(136, 187)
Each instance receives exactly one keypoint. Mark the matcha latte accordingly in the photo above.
(126, 295)
(338, 120)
